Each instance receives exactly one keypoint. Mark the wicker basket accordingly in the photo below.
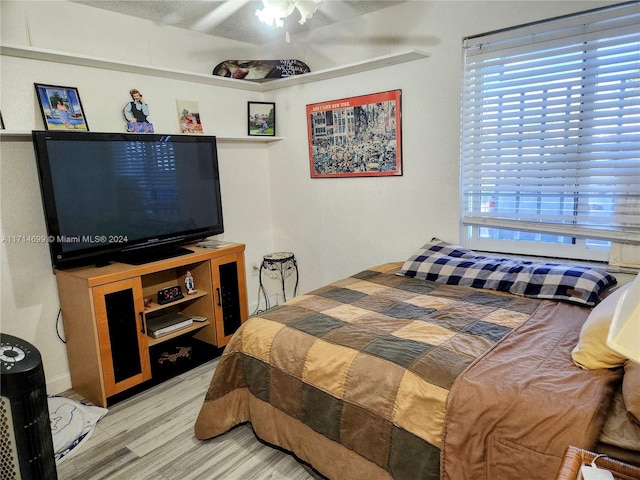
(574, 458)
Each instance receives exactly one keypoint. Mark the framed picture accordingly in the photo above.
(356, 137)
(61, 108)
(262, 119)
(189, 116)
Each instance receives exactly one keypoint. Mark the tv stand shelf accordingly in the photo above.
(105, 319)
(191, 328)
(154, 307)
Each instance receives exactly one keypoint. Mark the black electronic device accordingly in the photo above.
(125, 196)
(170, 294)
(25, 428)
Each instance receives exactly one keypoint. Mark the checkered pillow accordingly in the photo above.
(454, 265)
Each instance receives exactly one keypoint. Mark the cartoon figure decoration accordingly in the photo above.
(136, 113)
(188, 282)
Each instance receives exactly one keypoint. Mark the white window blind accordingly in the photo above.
(551, 128)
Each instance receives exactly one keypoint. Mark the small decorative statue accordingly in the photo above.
(188, 282)
(136, 112)
(182, 352)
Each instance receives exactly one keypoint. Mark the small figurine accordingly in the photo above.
(182, 352)
(188, 282)
(136, 112)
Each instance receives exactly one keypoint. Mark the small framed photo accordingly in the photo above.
(61, 108)
(189, 116)
(262, 119)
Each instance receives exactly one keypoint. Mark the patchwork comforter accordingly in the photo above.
(353, 378)
(527, 402)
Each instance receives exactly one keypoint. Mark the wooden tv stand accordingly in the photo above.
(104, 314)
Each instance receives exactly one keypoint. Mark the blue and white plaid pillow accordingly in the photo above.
(441, 262)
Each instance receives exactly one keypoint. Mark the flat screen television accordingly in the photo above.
(126, 197)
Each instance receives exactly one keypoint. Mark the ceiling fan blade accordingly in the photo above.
(219, 15)
(418, 41)
(338, 11)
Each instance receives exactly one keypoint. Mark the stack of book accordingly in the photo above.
(166, 324)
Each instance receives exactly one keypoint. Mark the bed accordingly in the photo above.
(449, 365)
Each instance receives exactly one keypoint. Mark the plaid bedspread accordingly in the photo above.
(358, 372)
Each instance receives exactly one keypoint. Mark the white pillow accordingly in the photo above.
(71, 424)
(592, 351)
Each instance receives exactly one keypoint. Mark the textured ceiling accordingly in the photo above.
(235, 19)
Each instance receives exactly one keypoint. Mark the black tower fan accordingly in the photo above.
(25, 429)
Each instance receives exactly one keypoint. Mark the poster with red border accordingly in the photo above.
(356, 136)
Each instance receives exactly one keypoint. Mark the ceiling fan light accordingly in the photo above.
(306, 8)
(275, 11)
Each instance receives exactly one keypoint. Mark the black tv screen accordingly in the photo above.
(125, 196)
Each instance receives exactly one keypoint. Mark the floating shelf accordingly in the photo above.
(256, 139)
(16, 134)
(106, 64)
(349, 69)
(265, 86)
(26, 135)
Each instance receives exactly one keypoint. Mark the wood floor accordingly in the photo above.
(150, 436)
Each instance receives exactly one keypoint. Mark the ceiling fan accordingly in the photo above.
(240, 19)
(271, 12)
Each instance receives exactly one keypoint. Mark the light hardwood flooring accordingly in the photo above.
(150, 436)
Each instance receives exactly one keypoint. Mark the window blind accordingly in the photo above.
(551, 126)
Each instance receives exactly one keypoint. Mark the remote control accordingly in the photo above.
(198, 318)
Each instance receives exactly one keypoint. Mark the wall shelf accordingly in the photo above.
(15, 134)
(266, 86)
(348, 69)
(106, 64)
(25, 135)
(256, 139)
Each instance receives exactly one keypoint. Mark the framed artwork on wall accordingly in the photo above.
(189, 116)
(356, 137)
(262, 119)
(61, 108)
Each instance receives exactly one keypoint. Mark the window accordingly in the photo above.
(551, 136)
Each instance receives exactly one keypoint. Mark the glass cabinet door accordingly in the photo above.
(231, 308)
(123, 340)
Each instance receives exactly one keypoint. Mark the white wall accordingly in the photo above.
(28, 292)
(335, 227)
(340, 226)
